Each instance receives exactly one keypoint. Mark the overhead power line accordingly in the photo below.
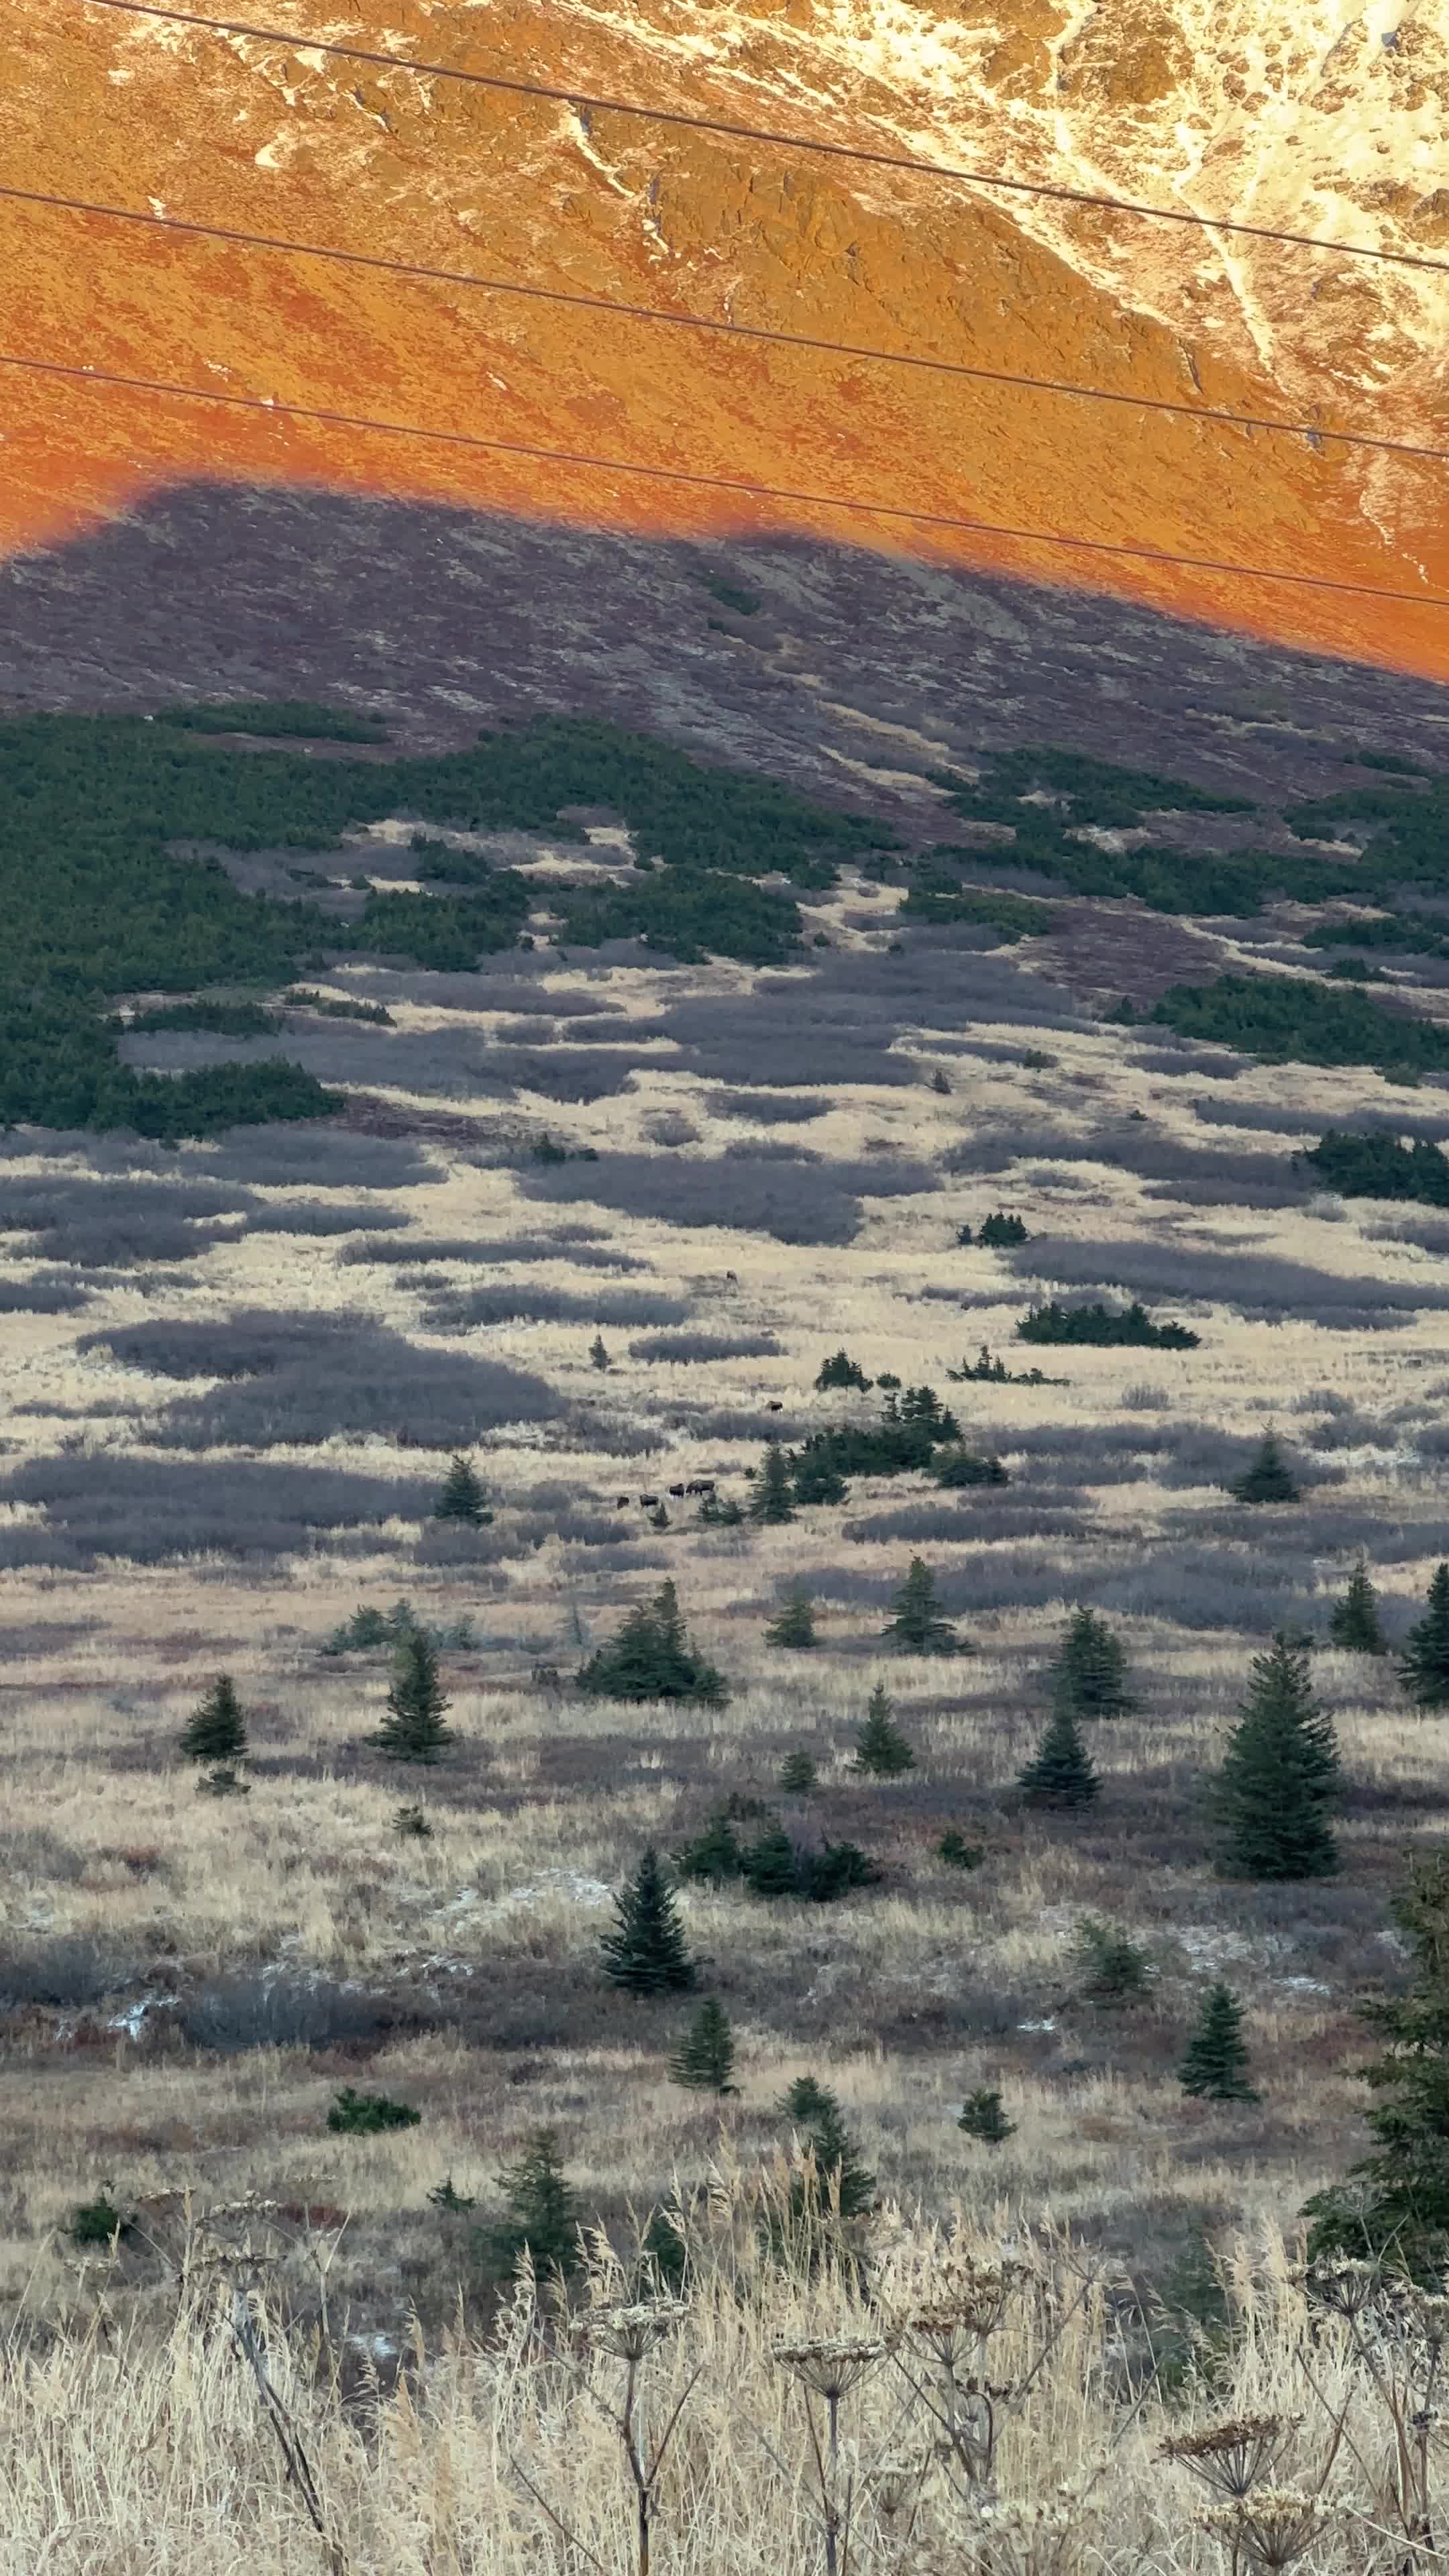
(777, 140)
(577, 302)
(737, 485)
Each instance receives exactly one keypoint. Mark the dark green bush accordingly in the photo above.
(1295, 1019)
(366, 2115)
(98, 2221)
(1103, 1327)
(1379, 1167)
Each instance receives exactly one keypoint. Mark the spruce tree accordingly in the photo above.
(1395, 2202)
(653, 1658)
(817, 1479)
(1061, 1772)
(794, 1623)
(1280, 1775)
(217, 1730)
(598, 1353)
(541, 2215)
(413, 1729)
(773, 1499)
(705, 2057)
(1424, 1663)
(1089, 1674)
(881, 1750)
(462, 1497)
(1267, 1478)
(713, 1855)
(770, 1867)
(841, 1371)
(816, 2114)
(645, 1953)
(799, 1774)
(1354, 1621)
(917, 1625)
(983, 2117)
(1215, 2062)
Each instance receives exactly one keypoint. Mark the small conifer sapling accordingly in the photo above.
(541, 2213)
(799, 1775)
(461, 1496)
(982, 2117)
(881, 1750)
(841, 2184)
(1215, 2062)
(217, 1730)
(1354, 1622)
(413, 1729)
(645, 1951)
(917, 1624)
(1280, 1776)
(773, 1499)
(1061, 1772)
(705, 2057)
(598, 1353)
(1089, 1673)
(1267, 1478)
(793, 1625)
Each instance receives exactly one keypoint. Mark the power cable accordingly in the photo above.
(738, 485)
(570, 298)
(782, 142)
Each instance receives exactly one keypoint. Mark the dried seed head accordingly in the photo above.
(967, 2298)
(830, 2364)
(631, 2332)
(1344, 2284)
(1272, 2528)
(890, 2482)
(1233, 2455)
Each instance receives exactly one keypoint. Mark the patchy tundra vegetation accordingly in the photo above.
(543, 1692)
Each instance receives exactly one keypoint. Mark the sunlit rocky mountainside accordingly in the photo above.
(1326, 118)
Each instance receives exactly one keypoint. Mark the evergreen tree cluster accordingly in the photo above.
(653, 1658)
(775, 1866)
(1101, 1327)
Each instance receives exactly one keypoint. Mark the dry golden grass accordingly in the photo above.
(483, 1939)
(777, 2421)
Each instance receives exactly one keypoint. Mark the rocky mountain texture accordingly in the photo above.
(1327, 118)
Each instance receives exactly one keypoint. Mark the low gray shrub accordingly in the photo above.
(769, 1108)
(326, 1156)
(320, 1216)
(259, 2009)
(64, 1973)
(792, 1200)
(300, 1378)
(46, 1292)
(148, 1508)
(458, 1310)
(564, 1245)
(704, 1346)
(1254, 1283)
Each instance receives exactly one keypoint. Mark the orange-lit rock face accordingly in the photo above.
(1312, 124)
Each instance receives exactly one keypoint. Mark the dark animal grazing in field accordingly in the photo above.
(621, 1502)
(732, 1279)
(649, 1502)
(700, 1485)
(774, 1407)
(676, 1490)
